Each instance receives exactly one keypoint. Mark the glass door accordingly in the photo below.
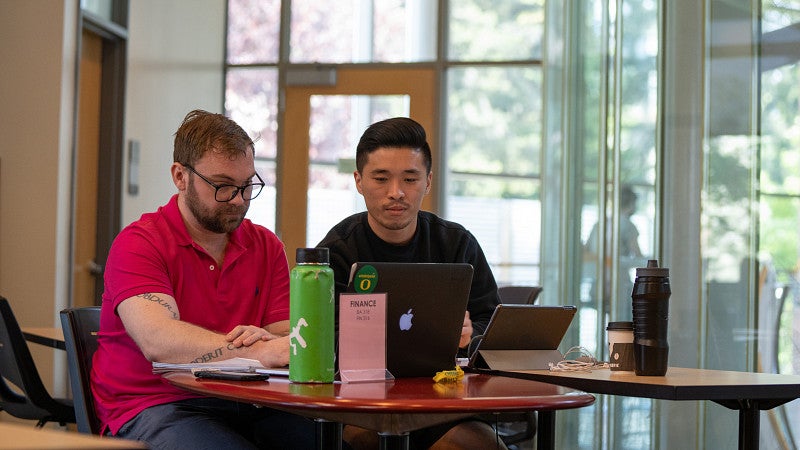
(322, 127)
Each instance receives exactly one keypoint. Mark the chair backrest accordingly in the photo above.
(22, 393)
(80, 336)
(520, 295)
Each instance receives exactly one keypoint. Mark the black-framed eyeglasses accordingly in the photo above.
(227, 192)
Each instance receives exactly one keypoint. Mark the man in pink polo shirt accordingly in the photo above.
(196, 281)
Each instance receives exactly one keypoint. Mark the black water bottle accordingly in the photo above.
(650, 296)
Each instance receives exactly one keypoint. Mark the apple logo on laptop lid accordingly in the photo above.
(405, 320)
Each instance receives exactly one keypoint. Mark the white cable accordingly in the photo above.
(583, 363)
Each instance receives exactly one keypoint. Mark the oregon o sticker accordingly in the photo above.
(366, 279)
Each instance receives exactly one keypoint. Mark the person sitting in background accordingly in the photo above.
(393, 173)
(195, 282)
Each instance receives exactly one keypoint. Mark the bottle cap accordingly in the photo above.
(619, 326)
(319, 255)
(652, 270)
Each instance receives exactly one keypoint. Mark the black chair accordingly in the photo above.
(80, 336)
(519, 295)
(22, 393)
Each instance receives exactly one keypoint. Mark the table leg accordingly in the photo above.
(329, 435)
(393, 441)
(546, 430)
(749, 416)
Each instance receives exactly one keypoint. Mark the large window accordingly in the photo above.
(549, 145)
(251, 89)
(493, 149)
(493, 134)
(493, 131)
(778, 196)
(363, 31)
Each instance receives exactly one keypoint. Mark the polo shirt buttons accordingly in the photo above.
(211, 267)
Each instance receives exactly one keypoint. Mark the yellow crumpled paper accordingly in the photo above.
(448, 376)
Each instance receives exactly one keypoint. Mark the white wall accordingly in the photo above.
(175, 64)
(176, 51)
(37, 47)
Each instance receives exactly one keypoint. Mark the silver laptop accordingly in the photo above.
(426, 303)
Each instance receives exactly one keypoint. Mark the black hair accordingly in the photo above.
(397, 132)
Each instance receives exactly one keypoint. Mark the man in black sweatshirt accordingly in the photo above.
(393, 173)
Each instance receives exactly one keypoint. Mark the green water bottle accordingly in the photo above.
(311, 316)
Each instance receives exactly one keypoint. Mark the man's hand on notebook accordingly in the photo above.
(247, 335)
(466, 331)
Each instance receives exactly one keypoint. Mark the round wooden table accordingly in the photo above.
(394, 408)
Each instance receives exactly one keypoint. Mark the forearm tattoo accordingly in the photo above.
(156, 299)
(210, 356)
(216, 353)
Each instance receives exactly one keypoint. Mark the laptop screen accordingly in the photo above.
(523, 337)
(527, 327)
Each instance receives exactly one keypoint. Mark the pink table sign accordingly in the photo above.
(362, 338)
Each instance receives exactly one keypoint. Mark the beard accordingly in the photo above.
(222, 219)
